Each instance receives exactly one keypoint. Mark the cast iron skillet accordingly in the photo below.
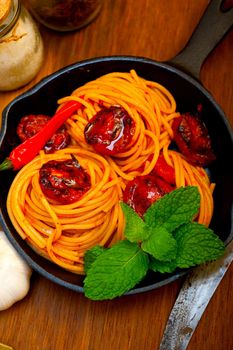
(187, 91)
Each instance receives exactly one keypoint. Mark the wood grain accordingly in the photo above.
(54, 318)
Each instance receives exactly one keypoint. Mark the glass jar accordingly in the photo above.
(64, 15)
(21, 46)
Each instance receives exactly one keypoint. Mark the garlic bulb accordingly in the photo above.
(14, 274)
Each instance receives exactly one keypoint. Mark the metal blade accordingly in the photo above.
(192, 301)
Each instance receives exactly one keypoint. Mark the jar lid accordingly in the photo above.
(5, 6)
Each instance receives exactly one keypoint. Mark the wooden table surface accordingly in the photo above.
(54, 318)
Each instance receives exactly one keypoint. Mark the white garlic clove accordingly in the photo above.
(14, 274)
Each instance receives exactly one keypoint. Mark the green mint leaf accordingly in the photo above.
(135, 228)
(162, 266)
(174, 209)
(91, 255)
(160, 244)
(197, 244)
(115, 271)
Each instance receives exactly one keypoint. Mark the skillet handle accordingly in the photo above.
(212, 27)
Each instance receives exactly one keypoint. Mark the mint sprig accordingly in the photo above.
(91, 255)
(115, 271)
(174, 209)
(161, 244)
(166, 239)
(196, 244)
(162, 266)
(135, 227)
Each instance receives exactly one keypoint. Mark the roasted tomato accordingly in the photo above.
(64, 181)
(192, 139)
(110, 131)
(32, 124)
(141, 192)
(164, 171)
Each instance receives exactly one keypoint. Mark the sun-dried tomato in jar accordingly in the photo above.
(65, 15)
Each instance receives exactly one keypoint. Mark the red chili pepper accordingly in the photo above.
(31, 124)
(26, 151)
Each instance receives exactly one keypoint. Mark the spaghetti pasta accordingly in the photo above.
(150, 105)
(62, 233)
